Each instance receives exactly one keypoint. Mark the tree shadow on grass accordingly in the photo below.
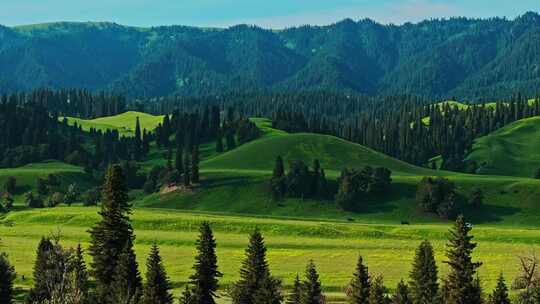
(216, 182)
(382, 203)
(489, 213)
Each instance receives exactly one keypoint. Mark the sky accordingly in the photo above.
(276, 14)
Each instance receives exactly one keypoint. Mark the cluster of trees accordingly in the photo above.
(438, 195)
(356, 186)
(61, 275)
(300, 181)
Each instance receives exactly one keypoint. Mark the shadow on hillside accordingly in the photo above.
(490, 213)
(216, 182)
(383, 202)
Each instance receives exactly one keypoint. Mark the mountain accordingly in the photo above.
(458, 57)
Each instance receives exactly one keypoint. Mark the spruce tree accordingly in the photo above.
(205, 278)
(187, 297)
(278, 182)
(126, 286)
(500, 294)
(461, 285)
(137, 141)
(157, 287)
(7, 276)
(110, 235)
(40, 292)
(360, 285)
(377, 292)
(295, 297)
(80, 272)
(423, 277)
(402, 294)
(254, 274)
(312, 286)
(195, 164)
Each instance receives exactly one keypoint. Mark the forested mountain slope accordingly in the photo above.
(466, 58)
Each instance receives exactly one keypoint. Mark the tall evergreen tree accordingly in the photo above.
(157, 287)
(80, 272)
(127, 284)
(187, 171)
(360, 285)
(179, 161)
(137, 141)
(110, 235)
(40, 292)
(312, 286)
(295, 296)
(278, 182)
(205, 278)
(195, 164)
(377, 292)
(254, 274)
(423, 277)
(402, 294)
(7, 276)
(461, 285)
(500, 294)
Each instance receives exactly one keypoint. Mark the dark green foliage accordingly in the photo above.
(423, 277)
(157, 287)
(80, 271)
(537, 174)
(138, 149)
(10, 185)
(500, 294)
(187, 172)
(195, 164)
(312, 286)
(91, 197)
(219, 144)
(437, 195)
(126, 286)
(476, 199)
(255, 281)
(179, 160)
(359, 288)
(7, 276)
(205, 278)
(295, 295)
(40, 291)
(377, 293)
(246, 131)
(402, 295)
(186, 297)
(354, 187)
(231, 141)
(33, 201)
(111, 234)
(278, 182)
(300, 181)
(460, 283)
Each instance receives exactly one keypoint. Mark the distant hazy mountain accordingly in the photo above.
(439, 58)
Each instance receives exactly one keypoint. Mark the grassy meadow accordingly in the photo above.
(124, 123)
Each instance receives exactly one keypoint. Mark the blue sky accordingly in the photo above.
(265, 13)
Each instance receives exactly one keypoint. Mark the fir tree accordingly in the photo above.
(205, 278)
(423, 277)
(360, 285)
(187, 297)
(254, 274)
(137, 141)
(500, 294)
(40, 291)
(461, 285)
(402, 294)
(377, 291)
(295, 297)
(7, 276)
(80, 272)
(110, 235)
(157, 287)
(126, 286)
(195, 164)
(312, 286)
(278, 182)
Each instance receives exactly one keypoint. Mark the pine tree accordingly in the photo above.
(500, 294)
(278, 182)
(80, 272)
(7, 276)
(360, 285)
(40, 291)
(312, 286)
(195, 164)
(187, 297)
(377, 291)
(157, 287)
(205, 278)
(137, 141)
(295, 297)
(111, 233)
(126, 286)
(254, 274)
(461, 285)
(187, 172)
(179, 161)
(423, 277)
(402, 294)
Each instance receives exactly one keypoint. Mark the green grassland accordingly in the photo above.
(124, 123)
(512, 150)
(233, 195)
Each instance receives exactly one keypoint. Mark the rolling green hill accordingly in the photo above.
(124, 123)
(512, 150)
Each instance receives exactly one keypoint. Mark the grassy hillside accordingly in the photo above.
(512, 150)
(124, 123)
(334, 246)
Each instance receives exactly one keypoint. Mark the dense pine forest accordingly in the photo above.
(472, 59)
